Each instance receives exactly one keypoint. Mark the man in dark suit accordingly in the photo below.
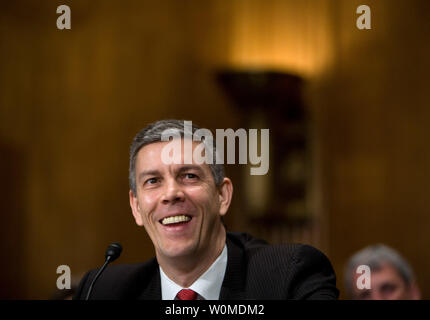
(180, 202)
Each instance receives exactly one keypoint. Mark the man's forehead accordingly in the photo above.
(151, 149)
(156, 148)
(387, 270)
(383, 272)
(153, 156)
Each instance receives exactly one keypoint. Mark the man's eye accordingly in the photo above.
(151, 181)
(190, 176)
(388, 288)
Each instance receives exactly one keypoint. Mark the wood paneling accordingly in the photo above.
(71, 101)
(374, 118)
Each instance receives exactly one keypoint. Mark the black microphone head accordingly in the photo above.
(113, 251)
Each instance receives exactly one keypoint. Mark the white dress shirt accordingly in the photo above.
(208, 285)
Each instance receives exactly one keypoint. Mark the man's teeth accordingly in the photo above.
(175, 219)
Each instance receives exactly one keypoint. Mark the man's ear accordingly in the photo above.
(225, 195)
(135, 208)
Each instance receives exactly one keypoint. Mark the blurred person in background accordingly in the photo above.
(391, 276)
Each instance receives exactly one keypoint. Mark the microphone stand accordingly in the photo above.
(108, 258)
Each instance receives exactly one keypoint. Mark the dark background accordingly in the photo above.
(72, 100)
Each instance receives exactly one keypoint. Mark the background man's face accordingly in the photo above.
(386, 284)
(178, 204)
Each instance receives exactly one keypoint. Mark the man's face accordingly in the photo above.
(178, 204)
(386, 284)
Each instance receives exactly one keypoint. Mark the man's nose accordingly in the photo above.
(172, 192)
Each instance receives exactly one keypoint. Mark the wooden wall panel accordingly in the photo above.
(71, 101)
(374, 121)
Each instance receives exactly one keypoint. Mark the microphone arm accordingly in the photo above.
(112, 252)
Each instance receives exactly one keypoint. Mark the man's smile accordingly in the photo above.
(177, 226)
(176, 219)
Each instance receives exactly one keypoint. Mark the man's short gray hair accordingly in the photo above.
(152, 134)
(375, 256)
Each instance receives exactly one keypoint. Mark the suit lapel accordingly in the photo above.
(152, 283)
(233, 286)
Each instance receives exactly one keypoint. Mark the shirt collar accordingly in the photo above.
(208, 285)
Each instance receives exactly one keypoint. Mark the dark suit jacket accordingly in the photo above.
(255, 270)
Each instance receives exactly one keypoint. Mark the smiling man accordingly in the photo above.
(180, 207)
(181, 204)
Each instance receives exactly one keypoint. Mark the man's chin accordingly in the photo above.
(178, 251)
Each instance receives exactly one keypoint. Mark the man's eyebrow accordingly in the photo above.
(190, 167)
(180, 169)
(148, 173)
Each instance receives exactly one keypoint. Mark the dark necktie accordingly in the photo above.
(187, 294)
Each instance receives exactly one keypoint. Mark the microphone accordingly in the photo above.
(112, 253)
